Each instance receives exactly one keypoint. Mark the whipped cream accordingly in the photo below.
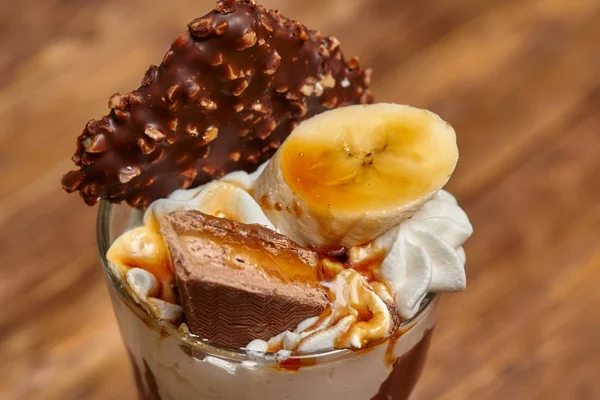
(423, 254)
(427, 254)
(341, 328)
(227, 197)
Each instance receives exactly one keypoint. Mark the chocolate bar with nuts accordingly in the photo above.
(240, 282)
(227, 93)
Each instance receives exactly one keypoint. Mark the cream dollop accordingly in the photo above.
(226, 198)
(143, 246)
(427, 254)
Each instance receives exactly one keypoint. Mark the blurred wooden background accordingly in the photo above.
(518, 79)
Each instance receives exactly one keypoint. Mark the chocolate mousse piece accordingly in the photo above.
(227, 93)
(240, 282)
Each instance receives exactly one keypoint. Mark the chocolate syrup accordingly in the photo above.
(405, 373)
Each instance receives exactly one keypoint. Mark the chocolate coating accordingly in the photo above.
(240, 282)
(227, 93)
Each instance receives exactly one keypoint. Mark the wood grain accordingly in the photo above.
(517, 78)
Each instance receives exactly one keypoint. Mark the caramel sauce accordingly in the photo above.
(285, 266)
(157, 261)
(325, 314)
(390, 358)
(265, 204)
(405, 372)
(162, 271)
(340, 254)
(223, 214)
(294, 364)
(369, 268)
(364, 314)
(275, 349)
(297, 209)
(214, 197)
(328, 269)
(372, 322)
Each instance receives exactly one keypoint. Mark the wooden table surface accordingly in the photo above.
(518, 79)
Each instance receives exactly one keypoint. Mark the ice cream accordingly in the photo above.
(246, 281)
(367, 290)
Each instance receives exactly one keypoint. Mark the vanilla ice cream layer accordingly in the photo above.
(173, 370)
(423, 254)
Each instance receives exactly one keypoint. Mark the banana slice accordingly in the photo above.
(348, 175)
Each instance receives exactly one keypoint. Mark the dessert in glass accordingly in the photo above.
(284, 237)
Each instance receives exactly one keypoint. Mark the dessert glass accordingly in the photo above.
(169, 364)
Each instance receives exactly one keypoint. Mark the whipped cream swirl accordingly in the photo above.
(427, 253)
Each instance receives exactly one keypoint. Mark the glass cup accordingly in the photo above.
(170, 364)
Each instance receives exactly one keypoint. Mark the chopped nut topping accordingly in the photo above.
(244, 132)
(299, 108)
(193, 90)
(171, 91)
(201, 27)
(150, 75)
(72, 180)
(146, 147)
(216, 60)
(272, 63)
(134, 99)
(225, 6)
(307, 90)
(246, 41)
(328, 81)
(173, 124)
(330, 102)
(229, 73)
(208, 104)
(189, 173)
(168, 56)
(191, 130)
(221, 28)
(266, 129)
(96, 145)
(264, 21)
(209, 170)
(210, 134)
(121, 115)
(235, 156)
(240, 88)
(128, 173)
(334, 43)
(154, 133)
(117, 101)
(353, 63)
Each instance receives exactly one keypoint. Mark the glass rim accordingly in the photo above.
(169, 330)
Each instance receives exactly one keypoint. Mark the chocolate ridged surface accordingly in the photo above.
(226, 95)
(240, 282)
